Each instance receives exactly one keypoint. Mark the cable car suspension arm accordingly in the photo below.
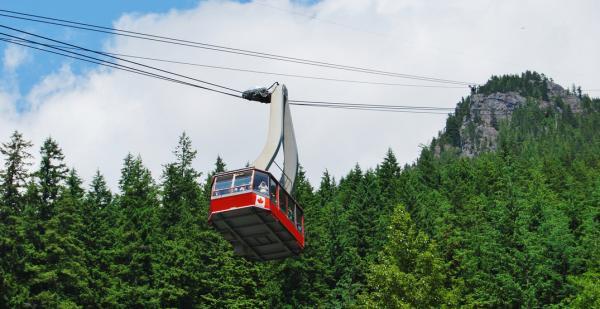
(281, 133)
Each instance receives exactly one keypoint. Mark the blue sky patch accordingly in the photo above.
(39, 64)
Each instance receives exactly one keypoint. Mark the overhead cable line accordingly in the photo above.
(371, 105)
(305, 103)
(103, 62)
(275, 73)
(289, 75)
(285, 74)
(219, 48)
(371, 109)
(390, 108)
(114, 57)
(382, 106)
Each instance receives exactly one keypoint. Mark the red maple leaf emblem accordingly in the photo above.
(260, 200)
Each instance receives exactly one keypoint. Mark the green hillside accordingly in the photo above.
(516, 225)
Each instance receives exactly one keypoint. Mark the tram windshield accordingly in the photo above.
(223, 185)
(242, 181)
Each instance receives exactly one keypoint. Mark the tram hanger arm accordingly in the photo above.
(281, 133)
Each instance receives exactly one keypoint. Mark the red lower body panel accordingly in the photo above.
(247, 221)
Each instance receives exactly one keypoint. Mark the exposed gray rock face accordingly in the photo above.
(479, 132)
(556, 91)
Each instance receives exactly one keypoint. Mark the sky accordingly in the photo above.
(98, 115)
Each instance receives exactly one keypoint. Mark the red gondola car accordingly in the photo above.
(253, 211)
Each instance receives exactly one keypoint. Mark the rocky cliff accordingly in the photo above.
(474, 126)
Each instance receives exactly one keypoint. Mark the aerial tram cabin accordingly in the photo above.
(249, 207)
(253, 212)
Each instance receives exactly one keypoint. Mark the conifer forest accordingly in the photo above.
(514, 224)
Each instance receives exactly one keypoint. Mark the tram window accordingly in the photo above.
(282, 200)
(273, 191)
(291, 210)
(261, 182)
(223, 185)
(242, 181)
(300, 218)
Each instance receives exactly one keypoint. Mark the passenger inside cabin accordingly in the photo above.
(261, 183)
(263, 188)
(242, 181)
(273, 192)
(299, 219)
(290, 213)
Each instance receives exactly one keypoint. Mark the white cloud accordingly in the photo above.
(14, 56)
(100, 116)
(7, 110)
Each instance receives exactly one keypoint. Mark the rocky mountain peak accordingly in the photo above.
(474, 127)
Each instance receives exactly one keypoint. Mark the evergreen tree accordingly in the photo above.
(14, 175)
(46, 235)
(303, 280)
(409, 273)
(51, 174)
(181, 191)
(346, 258)
(74, 185)
(220, 166)
(61, 278)
(181, 282)
(588, 294)
(388, 173)
(99, 196)
(327, 190)
(99, 218)
(388, 188)
(134, 252)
